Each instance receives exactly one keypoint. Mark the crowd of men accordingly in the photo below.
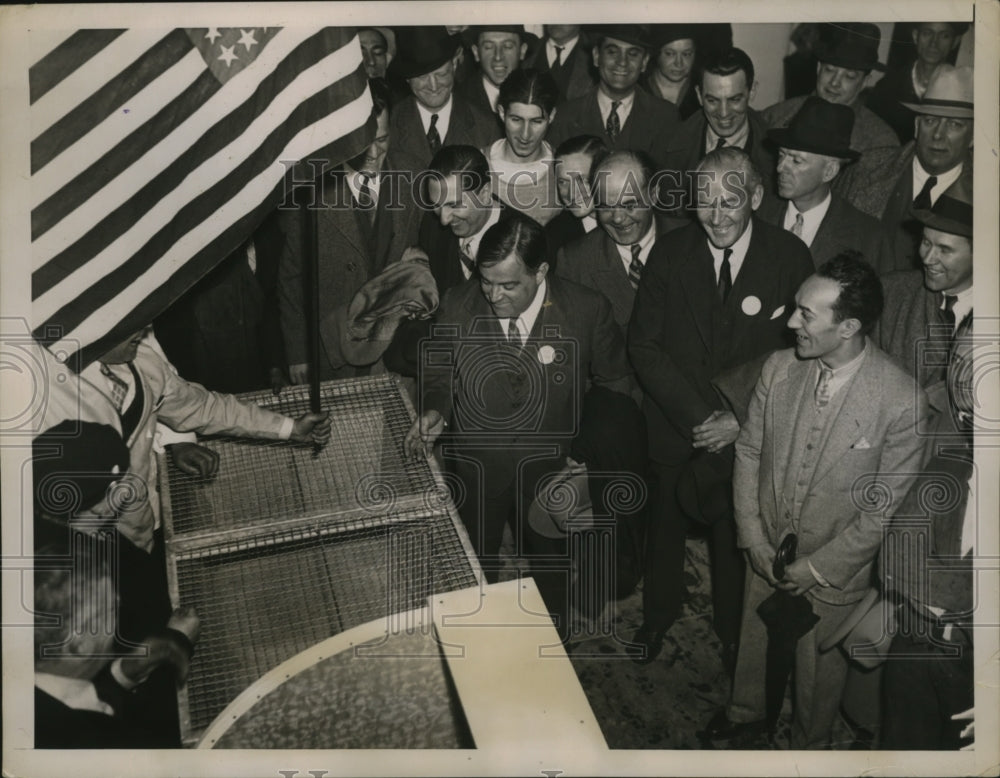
(758, 320)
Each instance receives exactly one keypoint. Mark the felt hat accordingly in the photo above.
(517, 29)
(420, 50)
(820, 128)
(73, 465)
(853, 45)
(952, 212)
(662, 34)
(634, 34)
(949, 94)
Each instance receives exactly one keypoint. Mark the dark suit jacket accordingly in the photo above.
(594, 262)
(563, 229)
(686, 108)
(844, 227)
(910, 329)
(681, 336)
(649, 127)
(687, 147)
(473, 92)
(469, 126)
(573, 76)
(350, 253)
(530, 396)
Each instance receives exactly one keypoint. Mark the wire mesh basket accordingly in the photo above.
(287, 546)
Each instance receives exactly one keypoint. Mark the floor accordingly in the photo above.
(664, 704)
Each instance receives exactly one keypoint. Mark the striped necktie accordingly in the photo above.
(797, 227)
(635, 267)
(823, 386)
(614, 124)
(513, 333)
(119, 388)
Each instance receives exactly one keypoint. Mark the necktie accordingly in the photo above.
(720, 143)
(467, 260)
(948, 312)
(725, 276)
(797, 227)
(433, 138)
(366, 198)
(635, 267)
(823, 386)
(119, 389)
(513, 333)
(558, 62)
(614, 125)
(923, 200)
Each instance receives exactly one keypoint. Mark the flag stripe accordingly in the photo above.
(112, 146)
(113, 95)
(65, 58)
(101, 307)
(89, 228)
(115, 238)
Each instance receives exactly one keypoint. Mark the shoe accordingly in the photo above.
(721, 728)
(649, 643)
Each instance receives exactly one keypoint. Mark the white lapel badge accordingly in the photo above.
(861, 444)
(751, 305)
(546, 355)
(780, 310)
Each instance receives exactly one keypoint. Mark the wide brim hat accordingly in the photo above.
(950, 93)
(420, 50)
(952, 213)
(853, 45)
(516, 29)
(563, 505)
(819, 127)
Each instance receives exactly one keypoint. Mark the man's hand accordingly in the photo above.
(799, 578)
(423, 434)
(276, 377)
(761, 558)
(194, 459)
(969, 731)
(716, 432)
(166, 649)
(299, 373)
(312, 428)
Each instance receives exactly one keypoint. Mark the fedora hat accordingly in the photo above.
(634, 34)
(949, 94)
(853, 45)
(952, 212)
(420, 50)
(866, 632)
(819, 128)
(562, 504)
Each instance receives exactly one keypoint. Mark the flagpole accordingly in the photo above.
(310, 253)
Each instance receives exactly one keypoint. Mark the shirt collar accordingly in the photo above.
(567, 47)
(76, 693)
(962, 306)
(492, 93)
(471, 244)
(526, 321)
(846, 371)
(645, 245)
(604, 103)
(443, 114)
(739, 248)
(811, 219)
(944, 180)
(354, 182)
(739, 139)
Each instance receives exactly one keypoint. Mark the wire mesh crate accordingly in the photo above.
(288, 545)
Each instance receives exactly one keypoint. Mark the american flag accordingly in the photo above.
(155, 153)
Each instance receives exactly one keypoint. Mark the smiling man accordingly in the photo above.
(831, 425)
(505, 373)
(711, 304)
(499, 51)
(616, 110)
(433, 116)
(725, 90)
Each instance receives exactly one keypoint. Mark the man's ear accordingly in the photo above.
(757, 197)
(697, 91)
(475, 52)
(753, 91)
(645, 61)
(552, 116)
(524, 51)
(500, 111)
(596, 54)
(542, 271)
(830, 169)
(848, 328)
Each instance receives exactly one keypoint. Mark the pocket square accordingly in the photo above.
(861, 444)
(780, 310)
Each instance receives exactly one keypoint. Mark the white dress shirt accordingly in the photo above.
(645, 245)
(944, 180)
(526, 321)
(739, 139)
(470, 245)
(811, 219)
(624, 108)
(736, 259)
(443, 114)
(567, 47)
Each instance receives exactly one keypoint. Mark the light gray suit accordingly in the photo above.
(865, 460)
